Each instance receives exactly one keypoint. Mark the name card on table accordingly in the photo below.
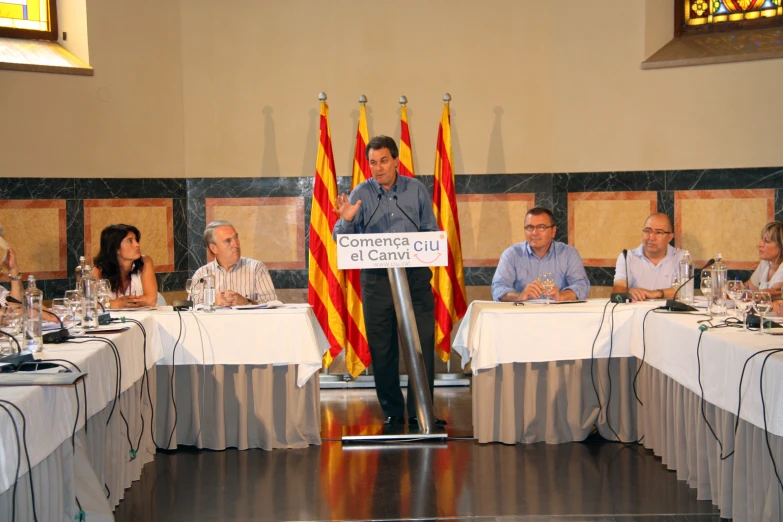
(411, 249)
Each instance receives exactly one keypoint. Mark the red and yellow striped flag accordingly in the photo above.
(448, 282)
(405, 165)
(325, 287)
(357, 357)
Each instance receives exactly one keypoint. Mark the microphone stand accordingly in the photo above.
(623, 297)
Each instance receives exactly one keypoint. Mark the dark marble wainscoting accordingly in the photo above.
(189, 206)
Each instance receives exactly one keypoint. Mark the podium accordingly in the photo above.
(396, 252)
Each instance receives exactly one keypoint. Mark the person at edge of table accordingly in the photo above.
(652, 265)
(130, 273)
(768, 276)
(390, 203)
(14, 274)
(238, 280)
(516, 277)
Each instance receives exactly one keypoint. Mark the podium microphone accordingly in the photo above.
(673, 305)
(374, 211)
(623, 297)
(405, 213)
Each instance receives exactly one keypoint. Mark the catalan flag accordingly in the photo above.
(357, 357)
(325, 287)
(405, 165)
(448, 282)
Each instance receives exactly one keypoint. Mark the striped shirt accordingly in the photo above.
(3, 292)
(248, 277)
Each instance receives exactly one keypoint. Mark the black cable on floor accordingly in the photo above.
(19, 456)
(174, 371)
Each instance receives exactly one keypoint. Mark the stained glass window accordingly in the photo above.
(28, 19)
(702, 12)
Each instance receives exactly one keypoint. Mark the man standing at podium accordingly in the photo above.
(389, 203)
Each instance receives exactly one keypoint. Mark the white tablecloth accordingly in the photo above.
(496, 333)
(51, 411)
(283, 336)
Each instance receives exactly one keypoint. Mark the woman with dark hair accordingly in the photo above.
(131, 275)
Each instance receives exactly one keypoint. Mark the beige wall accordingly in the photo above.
(194, 89)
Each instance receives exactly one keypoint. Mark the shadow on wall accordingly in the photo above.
(310, 152)
(270, 167)
(496, 157)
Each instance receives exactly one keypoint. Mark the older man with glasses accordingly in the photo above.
(517, 274)
(650, 267)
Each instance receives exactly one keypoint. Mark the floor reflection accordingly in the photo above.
(417, 480)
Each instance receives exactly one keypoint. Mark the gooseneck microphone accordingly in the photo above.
(405, 213)
(675, 306)
(373, 212)
(623, 297)
(55, 336)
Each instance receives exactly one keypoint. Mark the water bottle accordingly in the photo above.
(89, 299)
(686, 272)
(32, 308)
(209, 293)
(720, 285)
(78, 272)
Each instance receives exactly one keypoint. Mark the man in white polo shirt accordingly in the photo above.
(652, 265)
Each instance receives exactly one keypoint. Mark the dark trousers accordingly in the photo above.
(380, 321)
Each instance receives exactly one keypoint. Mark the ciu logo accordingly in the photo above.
(428, 251)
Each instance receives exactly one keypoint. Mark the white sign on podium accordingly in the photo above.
(406, 250)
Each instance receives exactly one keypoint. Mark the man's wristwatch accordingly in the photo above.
(662, 294)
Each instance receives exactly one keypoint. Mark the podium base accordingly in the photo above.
(381, 432)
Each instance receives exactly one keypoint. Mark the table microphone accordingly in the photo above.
(405, 213)
(623, 297)
(673, 305)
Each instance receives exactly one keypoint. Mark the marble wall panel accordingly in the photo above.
(36, 230)
(602, 224)
(490, 223)
(153, 217)
(729, 222)
(270, 229)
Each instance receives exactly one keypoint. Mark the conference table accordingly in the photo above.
(91, 471)
(243, 378)
(543, 372)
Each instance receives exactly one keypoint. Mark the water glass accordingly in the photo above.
(61, 309)
(745, 301)
(706, 289)
(735, 287)
(762, 301)
(104, 293)
(547, 280)
(11, 324)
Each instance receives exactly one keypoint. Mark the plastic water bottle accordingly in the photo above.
(89, 299)
(78, 272)
(32, 308)
(686, 272)
(209, 293)
(720, 284)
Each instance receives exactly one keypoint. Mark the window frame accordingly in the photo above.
(52, 34)
(682, 29)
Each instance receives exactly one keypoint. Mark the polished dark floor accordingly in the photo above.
(454, 480)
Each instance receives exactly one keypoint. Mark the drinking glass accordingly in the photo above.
(11, 324)
(192, 287)
(74, 299)
(735, 287)
(763, 304)
(104, 293)
(547, 280)
(675, 282)
(61, 309)
(745, 300)
(706, 289)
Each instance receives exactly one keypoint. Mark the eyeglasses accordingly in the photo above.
(540, 228)
(656, 233)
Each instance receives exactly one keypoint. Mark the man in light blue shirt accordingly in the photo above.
(650, 267)
(516, 278)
